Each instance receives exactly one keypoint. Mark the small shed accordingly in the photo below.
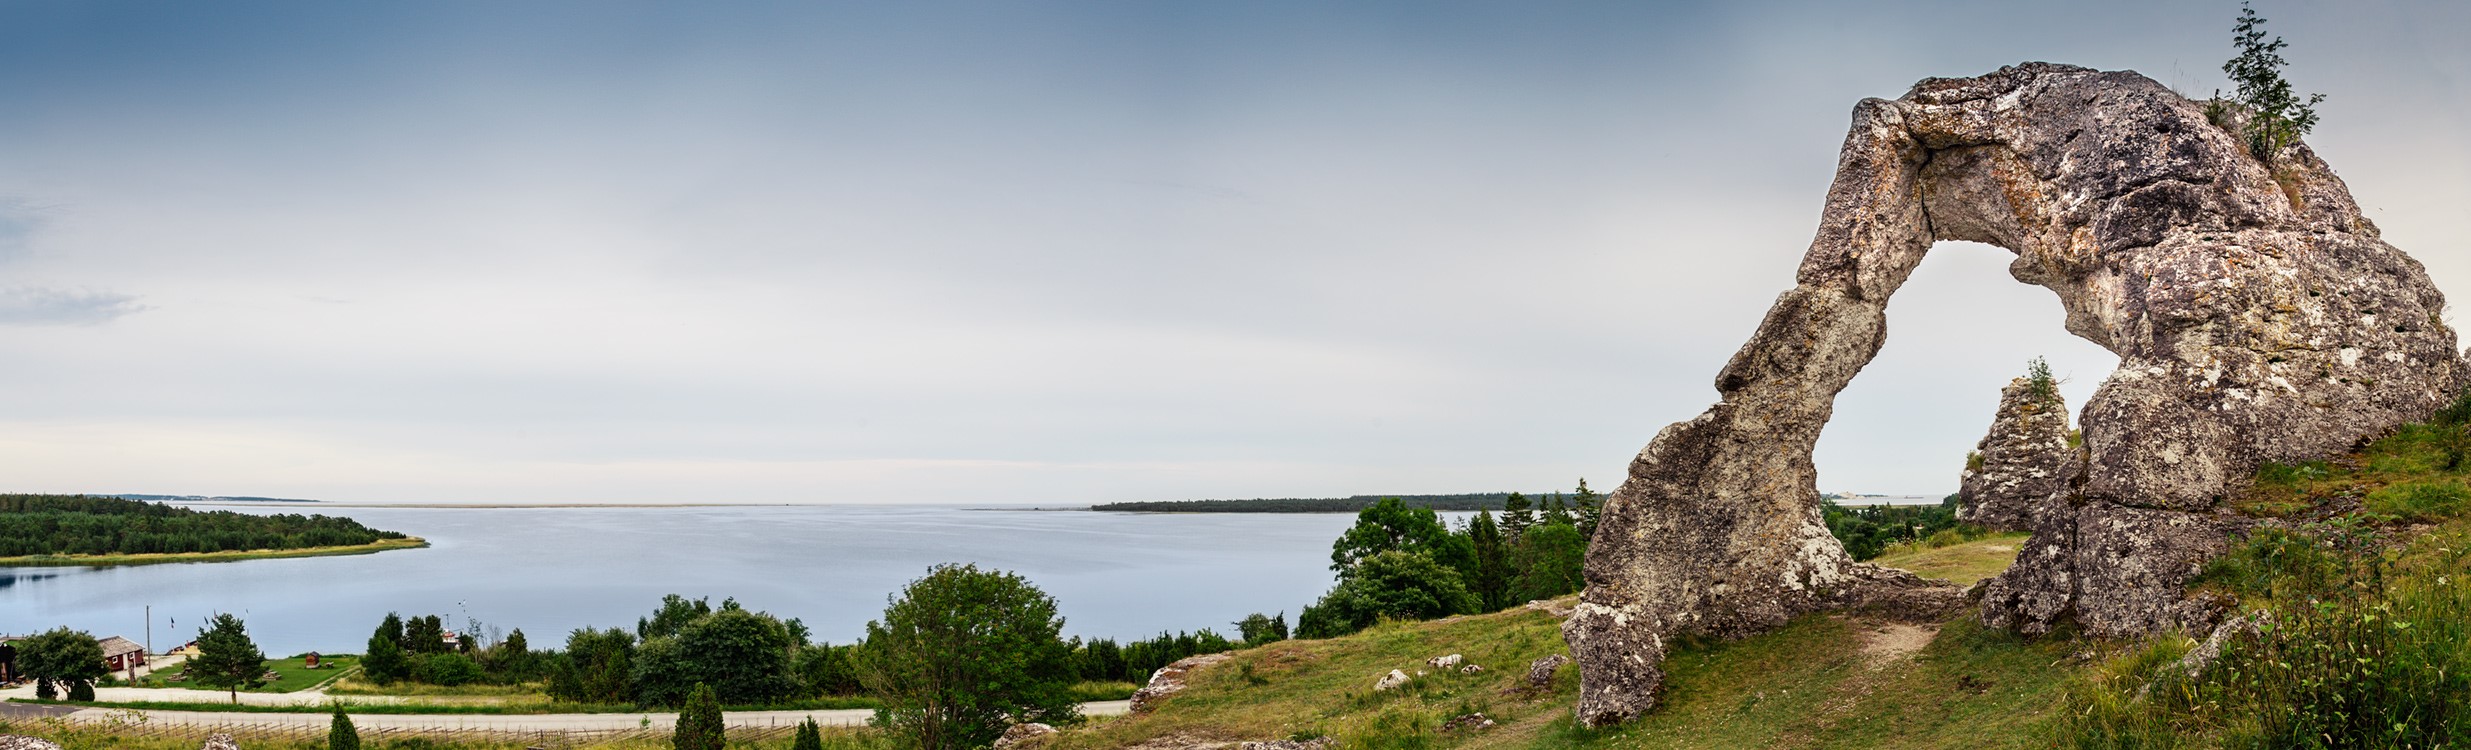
(122, 654)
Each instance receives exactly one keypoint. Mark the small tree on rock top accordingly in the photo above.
(2276, 116)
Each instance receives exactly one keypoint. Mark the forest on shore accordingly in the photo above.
(32, 525)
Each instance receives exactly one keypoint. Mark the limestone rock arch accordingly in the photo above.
(2256, 314)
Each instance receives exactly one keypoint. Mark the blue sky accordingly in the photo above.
(1013, 252)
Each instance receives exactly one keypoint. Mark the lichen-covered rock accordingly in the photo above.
(1540, 672)
(1169, 680)
(22, 742)
(2256, 314)
(220, 741)
(2025, 464)
(1444, 662)
(1023, 732)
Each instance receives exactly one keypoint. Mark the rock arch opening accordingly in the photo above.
(2256, 315)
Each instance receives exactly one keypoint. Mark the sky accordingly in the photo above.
(1006, 252)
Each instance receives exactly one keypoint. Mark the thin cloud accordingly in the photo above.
(18, 220)
(40, 306)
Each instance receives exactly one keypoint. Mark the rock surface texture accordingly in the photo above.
(2025, 464)
(1169, 680)
(21, 742)
(2256, 314)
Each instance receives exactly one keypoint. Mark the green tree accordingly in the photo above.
(1548, 560)
(675, 612)
(699, 724)
(424, 635)
(1258, 628)
(1391, 524)
(1491, 583)
(385, 663)
(226, 658)
(1589, 505)
(810, 737)
(2276, 116)
(340, 734)
(1516, 516)
(1394, 584)
(60, 659)
(1555, 512)
(962, 653)
(744, 656)
(598, 667)
(391, 629)
(826, 669)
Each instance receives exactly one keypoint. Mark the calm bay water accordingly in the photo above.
(551, 570)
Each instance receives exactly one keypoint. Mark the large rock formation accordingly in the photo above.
(2256, 315)
(2025, 464)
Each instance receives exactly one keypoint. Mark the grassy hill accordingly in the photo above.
(2356, 572)
(1823, 681)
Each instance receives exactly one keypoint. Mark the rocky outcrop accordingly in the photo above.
(1018, 734)
(22, 742)
(2256, 314)
(1169, 680)
(2025, 464)
(220, 741)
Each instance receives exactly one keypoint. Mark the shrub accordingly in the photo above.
(449, 669)
(340, 734)
(1394, 584)
(810, 737)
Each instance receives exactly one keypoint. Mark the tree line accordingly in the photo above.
(90, 525)
(1401, 562)
(1351, 504)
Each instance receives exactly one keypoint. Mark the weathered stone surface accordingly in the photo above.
(1540, 672)
(1444, 662)
(220, 741)
(21, 742)
(2025, 463)
(1390, 681)
(1169, 680)
(1023, 732)
(2256, 314)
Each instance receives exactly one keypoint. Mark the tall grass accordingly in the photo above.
(2362, 647)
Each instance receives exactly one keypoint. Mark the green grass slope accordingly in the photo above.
(1821, 682)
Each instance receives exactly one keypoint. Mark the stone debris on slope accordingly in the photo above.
(2257, 316)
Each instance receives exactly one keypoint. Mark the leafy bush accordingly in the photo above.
(449, 669)
(1394, 584)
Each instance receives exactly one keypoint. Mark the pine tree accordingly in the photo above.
(810, 737)
(341, 735)
(1491, 582)
(226, 658)
(1555, 512)
(1590, 509)
(391, 629)
(1515, 517)
(699, 724)
(385, 662)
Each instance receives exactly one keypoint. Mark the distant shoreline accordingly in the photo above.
(158, 558)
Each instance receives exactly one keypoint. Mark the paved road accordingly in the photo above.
(513, 722)
(31, 711)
